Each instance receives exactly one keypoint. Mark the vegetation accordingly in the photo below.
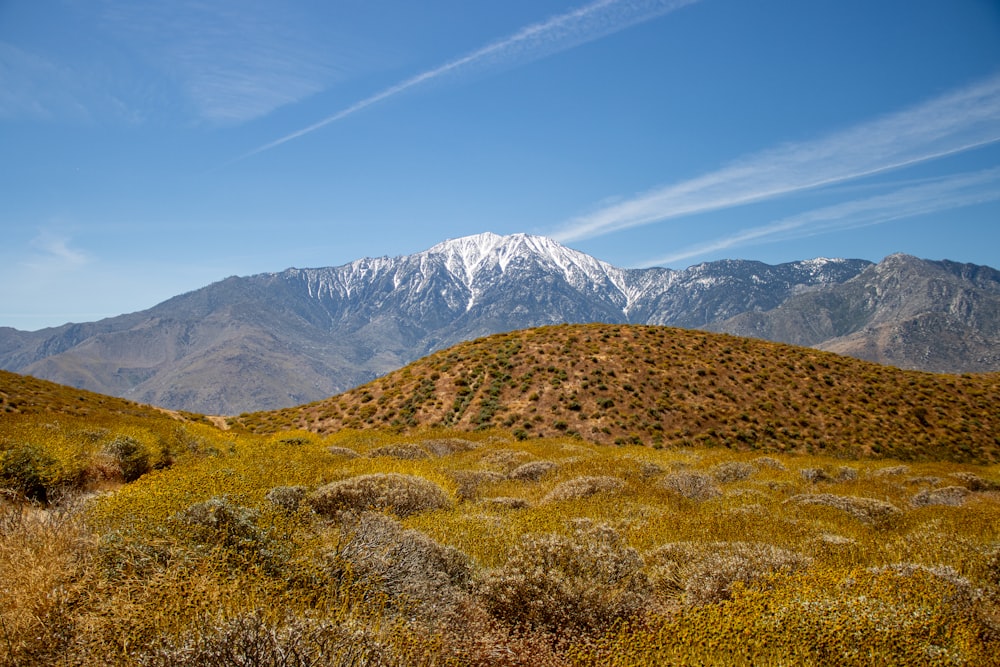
(133, 537)
(659, 386)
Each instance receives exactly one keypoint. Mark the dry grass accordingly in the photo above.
(296, 548)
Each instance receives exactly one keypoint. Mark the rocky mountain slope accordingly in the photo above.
(281, 339)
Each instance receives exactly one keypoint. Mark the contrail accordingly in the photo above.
(953, 123)
(942, 194)
(558, 33)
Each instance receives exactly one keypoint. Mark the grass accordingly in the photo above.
(593, 495)
(599, 559)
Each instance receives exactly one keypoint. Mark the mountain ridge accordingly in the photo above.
(279, 339)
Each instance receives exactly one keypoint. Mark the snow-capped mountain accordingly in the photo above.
(280, 339)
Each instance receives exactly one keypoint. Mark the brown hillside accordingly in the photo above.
(660, 386)
(27, 395)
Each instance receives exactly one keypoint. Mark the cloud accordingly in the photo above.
(53, 252)
(958, 121)
(233, 60)
(33, 86)
(553, 35)
(932, 196)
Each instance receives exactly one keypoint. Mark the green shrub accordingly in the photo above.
(130, 455)
(26, 470)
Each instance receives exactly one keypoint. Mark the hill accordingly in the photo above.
(24, 395)
(660, 386)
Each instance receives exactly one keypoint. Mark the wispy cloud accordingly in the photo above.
(959, 121)
(558, 33)
(54, 252)
(232, 60)
(933, 196)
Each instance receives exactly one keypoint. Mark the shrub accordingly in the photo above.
(446, 446)
(252, 639)
(582, 487)
(868, 510)
(469, 481)
(768, 462)
(704, 572)
(508, 503)
(949, 495)
(532, 471)
(404, 451)
(691, 485)
(130, 455)
(406, 565)
(25, 469)
(974, 482)
(343, 452)
(399, 494)
(585, 581)
(287, 498)
(732, 471)
(505, 459)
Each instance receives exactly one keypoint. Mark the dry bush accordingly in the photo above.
(508, 503)
(732, 471)
(583, 487)
(974, 482)
(447, 446)
(399, 494)
(704, 572)
(405, 451)
(585, 581)
(868, 510)
(505, 459)
(532, 471)
(948, 495)
(469, 481)
(691, 485)
(252, 639)
(846, 474)
(287, 498)
(343, 452)
(815, 475)
(229, 530)
(930, 480)
(891, 471)
(407, 565)
(768, 462)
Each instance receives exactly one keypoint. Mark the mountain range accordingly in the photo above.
(275, 340)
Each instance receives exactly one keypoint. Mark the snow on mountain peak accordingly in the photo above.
(469, 256)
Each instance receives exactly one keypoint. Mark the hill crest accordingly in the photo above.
(661, 386)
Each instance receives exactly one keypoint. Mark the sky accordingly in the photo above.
(148, 149)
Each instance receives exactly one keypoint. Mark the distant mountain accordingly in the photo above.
(281, 339)
(904, 311)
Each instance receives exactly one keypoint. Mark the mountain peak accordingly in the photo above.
(469, 257)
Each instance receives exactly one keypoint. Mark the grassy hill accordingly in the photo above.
(131, 537)
(660, 386)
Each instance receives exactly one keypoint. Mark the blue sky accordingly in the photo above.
(148, 149)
